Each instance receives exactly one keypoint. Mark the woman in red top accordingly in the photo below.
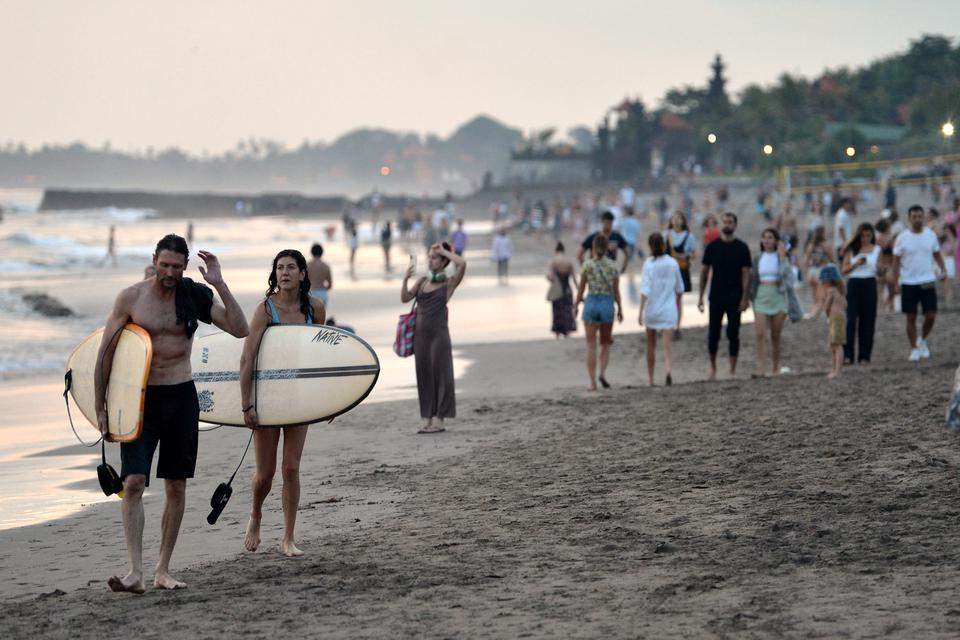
(711, 229)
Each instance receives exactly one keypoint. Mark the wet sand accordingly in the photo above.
(789, 507)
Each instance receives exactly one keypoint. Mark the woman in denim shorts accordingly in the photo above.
(601, 276)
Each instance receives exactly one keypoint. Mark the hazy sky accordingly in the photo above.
(203, 74)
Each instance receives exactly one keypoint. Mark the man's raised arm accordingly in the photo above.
(229, 316)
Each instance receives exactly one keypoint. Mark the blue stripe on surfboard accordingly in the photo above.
(289, 374)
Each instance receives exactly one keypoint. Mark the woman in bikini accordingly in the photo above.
(288, 301)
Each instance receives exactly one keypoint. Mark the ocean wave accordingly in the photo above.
(20, 266)
(58, 251)
(129, 215)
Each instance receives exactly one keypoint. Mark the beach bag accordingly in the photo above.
(681, 255)
(406, 326)
(555, 291)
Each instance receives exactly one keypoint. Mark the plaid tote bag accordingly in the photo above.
(403, 344)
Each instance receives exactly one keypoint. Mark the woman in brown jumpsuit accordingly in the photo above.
(431, 342)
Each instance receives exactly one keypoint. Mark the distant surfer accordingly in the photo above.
(169, 307)
(288, 301)
(321, 278)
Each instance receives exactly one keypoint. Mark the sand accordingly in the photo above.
(767, 508)
(790, 507)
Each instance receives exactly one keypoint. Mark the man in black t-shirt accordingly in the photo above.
(728, 262)
(615, 240)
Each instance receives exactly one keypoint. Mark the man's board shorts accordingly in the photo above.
(321, 294)
(923, 294)
(171, 415)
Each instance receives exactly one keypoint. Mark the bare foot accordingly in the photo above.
(127, 584)
(289, 549)
(252, 539)
(712, 375)
(832, 375)
(163, 580)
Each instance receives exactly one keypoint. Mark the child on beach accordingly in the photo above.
(835, 306)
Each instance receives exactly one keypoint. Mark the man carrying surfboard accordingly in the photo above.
(169, 307)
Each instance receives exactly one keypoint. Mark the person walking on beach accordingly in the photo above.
(817, 255)
(353, 243)
(885, 283)
(860, 260)
(843, 225)
(111, 247)
(835, 305)
(603, 278)
(386, 241)
(432, 349)
(630, 229)
(914, 253)
(726, 266)
(770, 277)
(168, 307)
(287, 301)
(661, 291)
(320, 275)
(682, 247)
(501, 250)
(615, 242)
(560, 271)
(459, 239)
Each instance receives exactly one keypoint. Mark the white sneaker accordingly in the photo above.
(914, 355)
(923, 348)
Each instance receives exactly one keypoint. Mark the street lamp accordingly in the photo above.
(712, 138)
(850, 151)
(947, 129)
(767, 149)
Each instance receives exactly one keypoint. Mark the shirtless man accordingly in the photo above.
(320, 275)
(169, 307)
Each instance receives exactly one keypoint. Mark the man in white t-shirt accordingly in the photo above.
(914, 254)
(843, 225)
(627, 197)
(440, 216)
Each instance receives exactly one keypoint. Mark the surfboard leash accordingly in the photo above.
(221, 495)
(67, 384)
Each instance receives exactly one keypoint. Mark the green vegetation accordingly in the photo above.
(893, 107)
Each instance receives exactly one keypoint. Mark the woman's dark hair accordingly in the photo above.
(305, 308)
(882, 226)
(600, 244)
(684, 226)
(819, 235)
(559, 248)
(854, 245)
(657, 246)
(446, 247)
(172, 242)
(776, 238)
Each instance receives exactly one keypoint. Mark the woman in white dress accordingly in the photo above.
(661, 290)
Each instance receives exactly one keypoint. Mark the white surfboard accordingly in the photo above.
(304, 373)
(127, 384)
